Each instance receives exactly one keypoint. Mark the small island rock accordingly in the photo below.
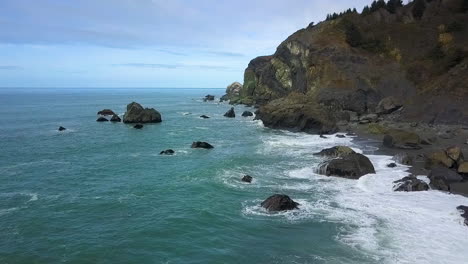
(137, 114)
(167, 152)
(102, 119)
(200, 144)
(61, 128)
(106, 112)
(230, 113)
(247, 114)
(279, 202)
(247, 178)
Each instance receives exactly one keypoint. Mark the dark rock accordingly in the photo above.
(464, 210)
(167, 152)
(340, 136)
(199, 144)
(102, 119)
(209, 98)
(370, 118)
(137, 114)
(230, 113)
(351, 166)
(460, 188)
(404, 158)
(106, 112)
(224, 98)
(138, 126)
(388, 105)
(334, 152)
(204, 116)
(410, 184)
(247, 113)
(391, 165)
(116, 118)
(441, 178)
(397, 138)
(247, 178)
(322, 136)
(61, 128)
(279, 202)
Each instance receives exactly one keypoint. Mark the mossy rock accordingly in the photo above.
(376, 129)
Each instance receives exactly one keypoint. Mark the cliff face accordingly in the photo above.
(343, 67)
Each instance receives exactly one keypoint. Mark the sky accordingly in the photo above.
(145, 43)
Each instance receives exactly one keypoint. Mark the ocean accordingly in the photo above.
(101, 193)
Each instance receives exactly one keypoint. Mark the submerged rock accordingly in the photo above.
(410, 184)
(61, 128)
(167, 152)
(230, 113)
(116, 118)
(204, 116)
(106, 112)
(351, 166)
(441, 178)
(247, 114)
(340, 136)
(137, 114)
(247, 178)
(200, 144)
(209, 97)
(279, 202)
(334, 152)
(391, 165)
(102, 119)
(138, 126)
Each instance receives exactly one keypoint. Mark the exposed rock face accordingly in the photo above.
(247, 179)
(410, 184)
(116, 118)
(102, 119)
(61, 128)
(441, 178)
(137, 114)
(334, 152)
(233, 93)
(204, 116)
(199, 144)
(106, 112)
(464, 210)
(230, 113)
(209, 97)
(247, 114)
(138, 126)
(167, 152)
(279, 202)
(397, 138)
(388, 62)
(351, 166)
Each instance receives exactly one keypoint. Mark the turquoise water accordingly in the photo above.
(101, 193)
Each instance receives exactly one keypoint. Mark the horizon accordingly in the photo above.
(145, 44)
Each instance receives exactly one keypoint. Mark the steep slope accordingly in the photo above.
(344, 67)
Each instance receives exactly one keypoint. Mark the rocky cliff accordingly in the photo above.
(342, 68)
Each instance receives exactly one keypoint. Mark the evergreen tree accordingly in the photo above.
(365, 11)
(392, 5)
(419, 7)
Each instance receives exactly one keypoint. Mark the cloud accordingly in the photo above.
(173, 66)
(10, 67)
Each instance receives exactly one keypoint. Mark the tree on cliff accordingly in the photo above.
(393, 5)
(419, 7)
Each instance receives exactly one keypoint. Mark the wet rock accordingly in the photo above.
(230, 113)
(61, 128)
(167, 152)
(410, 184)
(460, 188)
(137, 114)
(464, 211)
(116, 118)
(391, 165)
(322, 136)
(138, 126)
(224, 98)
(397, 138)
(247, 178)
(441, 178)
(209, 97)
(351, 166)
(337, 151)
(279, 202)
(102, 119)
(247, 114)
(404, 158)
(388, 105)
(106, 112)
(204, 116)
(200, 144)
(439, 158)
(340, 136)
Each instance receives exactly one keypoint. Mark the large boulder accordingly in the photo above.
(410, 184)
(106, 112)
(464, 210)
(335, 152)
(230, 113)
(441, 178)
(397, 138)
(115, 118)
(351, 166)
(61, 128)
(388, 105)
(439, 158)
(137, 114)
(199, 144)
(279, 202)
